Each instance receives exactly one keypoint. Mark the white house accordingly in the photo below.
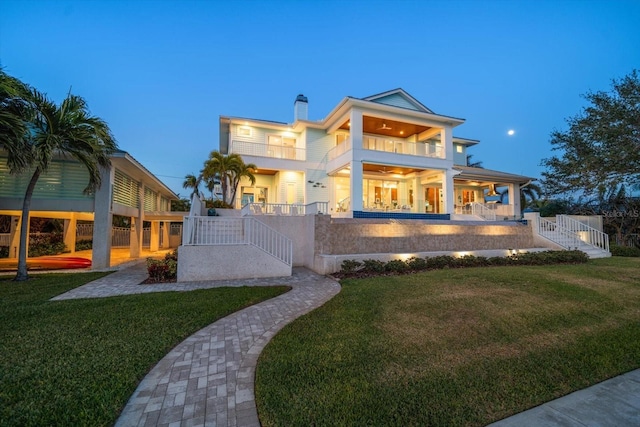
(383, 156)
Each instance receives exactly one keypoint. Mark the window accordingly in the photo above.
(281, 147)
(341, 137)
(243, 131)
(458, 148)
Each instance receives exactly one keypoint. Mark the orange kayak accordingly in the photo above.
(47, 263)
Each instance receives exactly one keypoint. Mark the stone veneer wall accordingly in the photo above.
(348, 236)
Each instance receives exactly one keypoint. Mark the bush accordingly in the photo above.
(84, 245)
(217, 204)
(46, 244)
(4, 251)
(350, 266)
(164, 270)
(626, 251)
(374, 267)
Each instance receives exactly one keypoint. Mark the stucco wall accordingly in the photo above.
(196, 263)
(346, 236)
(300, 230)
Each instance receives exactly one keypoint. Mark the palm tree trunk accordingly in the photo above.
(22, 275)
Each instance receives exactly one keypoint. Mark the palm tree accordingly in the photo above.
(47, 130)
(473, 164)
(228, 169)
(192, 181)
(244, 171)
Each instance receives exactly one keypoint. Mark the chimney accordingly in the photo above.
(300, 108)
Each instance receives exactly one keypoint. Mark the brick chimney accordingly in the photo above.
(300, 108)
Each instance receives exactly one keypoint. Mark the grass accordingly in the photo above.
(77, 362)
(462, 347)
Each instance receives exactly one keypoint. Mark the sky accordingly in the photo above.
(161, 72)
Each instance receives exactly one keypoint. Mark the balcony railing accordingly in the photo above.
(284, 209)
(339, 149)
(403, 147)
(266, 150)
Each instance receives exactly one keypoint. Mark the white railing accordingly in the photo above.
(483, 211)
(5, 239)
(584, 232)
(214, 231)
(84, 231)
(284, 209)
(403, 147)
(266, 150)
(339, 149)
(120, 237)
(557, 234)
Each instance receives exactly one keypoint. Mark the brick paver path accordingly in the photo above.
(208, 379)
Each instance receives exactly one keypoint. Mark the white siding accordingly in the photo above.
(396, 100)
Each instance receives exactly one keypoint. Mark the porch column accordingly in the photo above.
(135, 244)
(14, 237)
(514, 200)
(355, 179)
(446, 137)
(154, 241)
(166, 226)
(69, 233)
(102, 221)
(447, 191)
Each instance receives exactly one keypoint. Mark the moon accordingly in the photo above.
(511, 132)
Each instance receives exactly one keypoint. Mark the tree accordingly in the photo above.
(529, 195)
(228, 170)
(601, 148)
(193, 182)
(470, 163)
(38, 130)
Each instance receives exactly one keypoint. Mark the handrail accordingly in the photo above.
(482, 211)
(339, 149)
(266, 150)
(215, 231)
(284, 209)
(584, 232)
(557, 234)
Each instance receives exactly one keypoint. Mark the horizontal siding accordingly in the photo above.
(459, 158)
(396, 100)
(319, 144)
(64, 180)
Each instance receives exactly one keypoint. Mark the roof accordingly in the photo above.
(127, 163)
(394, 94)
(481, 174)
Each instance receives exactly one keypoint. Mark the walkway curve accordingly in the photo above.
(208, 379)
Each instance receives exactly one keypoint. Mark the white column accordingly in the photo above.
(447, 191)
(14, 237)
(355, 179)
(166, 243)
(446, 138)
(135, 244)
(69, 233)
(514, 200)
(154, 242)
(102, 221)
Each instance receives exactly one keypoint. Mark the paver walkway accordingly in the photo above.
(208, 378)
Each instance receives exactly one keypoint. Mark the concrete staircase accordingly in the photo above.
(572, 235)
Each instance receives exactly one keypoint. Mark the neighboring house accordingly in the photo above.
(128, 189)
(383, 156)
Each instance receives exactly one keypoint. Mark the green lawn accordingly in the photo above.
(77, 362)
(457, 347)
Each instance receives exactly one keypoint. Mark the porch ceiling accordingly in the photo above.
(374, 168)
(397, 129)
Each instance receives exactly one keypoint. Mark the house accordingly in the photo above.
(128, 190)
(383, 156)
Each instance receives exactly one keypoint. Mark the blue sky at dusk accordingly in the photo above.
(161, 72)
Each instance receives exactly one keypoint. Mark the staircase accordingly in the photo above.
(571, 234)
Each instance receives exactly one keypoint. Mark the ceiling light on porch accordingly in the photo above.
(345, 171)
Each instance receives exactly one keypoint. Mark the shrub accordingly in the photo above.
(396, 266)
(441, 261)
(373, 266)
(350, 266)
(164, 270)
(46, 244)
(472, 261)
(4, 251)
(417, 264)
(626, 251)
(83, 245)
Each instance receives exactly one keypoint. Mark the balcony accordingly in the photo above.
(423, 149)
(266, 150)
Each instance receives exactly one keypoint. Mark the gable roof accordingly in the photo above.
(398, 98)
